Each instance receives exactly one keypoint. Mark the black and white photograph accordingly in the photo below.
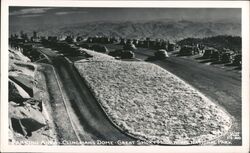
(125, 76)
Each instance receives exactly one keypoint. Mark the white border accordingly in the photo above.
(114, 149)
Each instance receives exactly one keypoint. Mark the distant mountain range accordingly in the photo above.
(171, 30)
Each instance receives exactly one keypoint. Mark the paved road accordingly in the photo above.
(92, 118)
(221, 86)
(60, 117)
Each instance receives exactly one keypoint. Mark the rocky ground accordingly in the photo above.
(29, 121)
(152, 104)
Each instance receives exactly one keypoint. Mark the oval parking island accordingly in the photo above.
(150, 103)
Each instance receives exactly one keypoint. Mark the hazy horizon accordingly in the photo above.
(62, 15)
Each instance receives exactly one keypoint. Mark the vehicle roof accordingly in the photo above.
(162, 50)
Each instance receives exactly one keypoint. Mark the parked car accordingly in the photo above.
(122, 54)
(208, 53)
(86, 46)
(100, 48)
(171, 47)
(127, 55)
(227, 57)
(216, 55)
(129, 46)
(237, 60)
(187, 51)
(161, 54)
(117, 53)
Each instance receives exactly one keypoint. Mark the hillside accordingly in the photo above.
(172, 30)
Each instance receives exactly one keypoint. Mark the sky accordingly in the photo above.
(19, 15)
(44, 17)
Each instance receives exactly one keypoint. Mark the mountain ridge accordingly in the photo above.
(169, 29)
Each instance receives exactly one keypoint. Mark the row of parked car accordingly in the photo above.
(133, 43)
(222, 56)
(127, 52)
(70, 47)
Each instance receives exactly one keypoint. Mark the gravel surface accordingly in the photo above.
(152, 104)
